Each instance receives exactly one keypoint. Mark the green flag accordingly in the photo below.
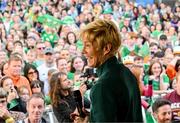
(156, 33)
(12, 104)
(125, 51)
(49, 20)
(68, 20)
(136, 49)
(144, 50)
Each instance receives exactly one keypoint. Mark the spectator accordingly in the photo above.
(37, 87)
(5, 115)
(3, 56)
(4, 68)
(174, 98)
(45, 67)
(71, 38)
(63, 102)
(162, 111)
(31, 56)
(156, 73)
(23, 98)
(14, 71)
(31, 72)
(40, 46)
(35, 108)
(77, 65)
(62, 65)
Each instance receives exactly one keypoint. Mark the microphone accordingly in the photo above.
(78, 100)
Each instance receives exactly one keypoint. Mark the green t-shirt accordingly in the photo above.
(155, 84)
(70, 75)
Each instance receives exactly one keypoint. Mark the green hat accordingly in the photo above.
(128, 59)
(108, 11)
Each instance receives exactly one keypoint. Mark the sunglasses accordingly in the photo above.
(31, 47)
(41, 48)
(36, 86)
(32, 72)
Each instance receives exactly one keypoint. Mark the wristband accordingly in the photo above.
(10, 120)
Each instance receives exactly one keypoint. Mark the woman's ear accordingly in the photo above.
(107, 49)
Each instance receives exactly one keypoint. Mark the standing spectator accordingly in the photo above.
(63, 102)
(40, 46)
(3, 56)
(45, 67)
(5, 115)
(35, 108)
(111, 92)
(71, 38)
(62, 65)
(31, 56)
(15, 65)
(77, 65)
(31, 72)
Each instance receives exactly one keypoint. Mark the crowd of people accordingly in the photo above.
(42, 63)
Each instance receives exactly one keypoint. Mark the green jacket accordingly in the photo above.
(115, 97)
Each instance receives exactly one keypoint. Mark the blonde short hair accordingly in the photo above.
(102, 32)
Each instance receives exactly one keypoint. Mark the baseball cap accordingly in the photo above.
(48, 50)
(163, 37)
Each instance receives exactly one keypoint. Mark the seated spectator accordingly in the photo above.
(7, 116)
(156, 73)
(173, 67)
(174, 98)
(162, 111)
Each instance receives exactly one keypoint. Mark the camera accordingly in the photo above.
(89, 72)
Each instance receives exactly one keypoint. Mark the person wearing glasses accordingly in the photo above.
(46, 66)
(31, 73)
(40, 46)
(7, 116)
